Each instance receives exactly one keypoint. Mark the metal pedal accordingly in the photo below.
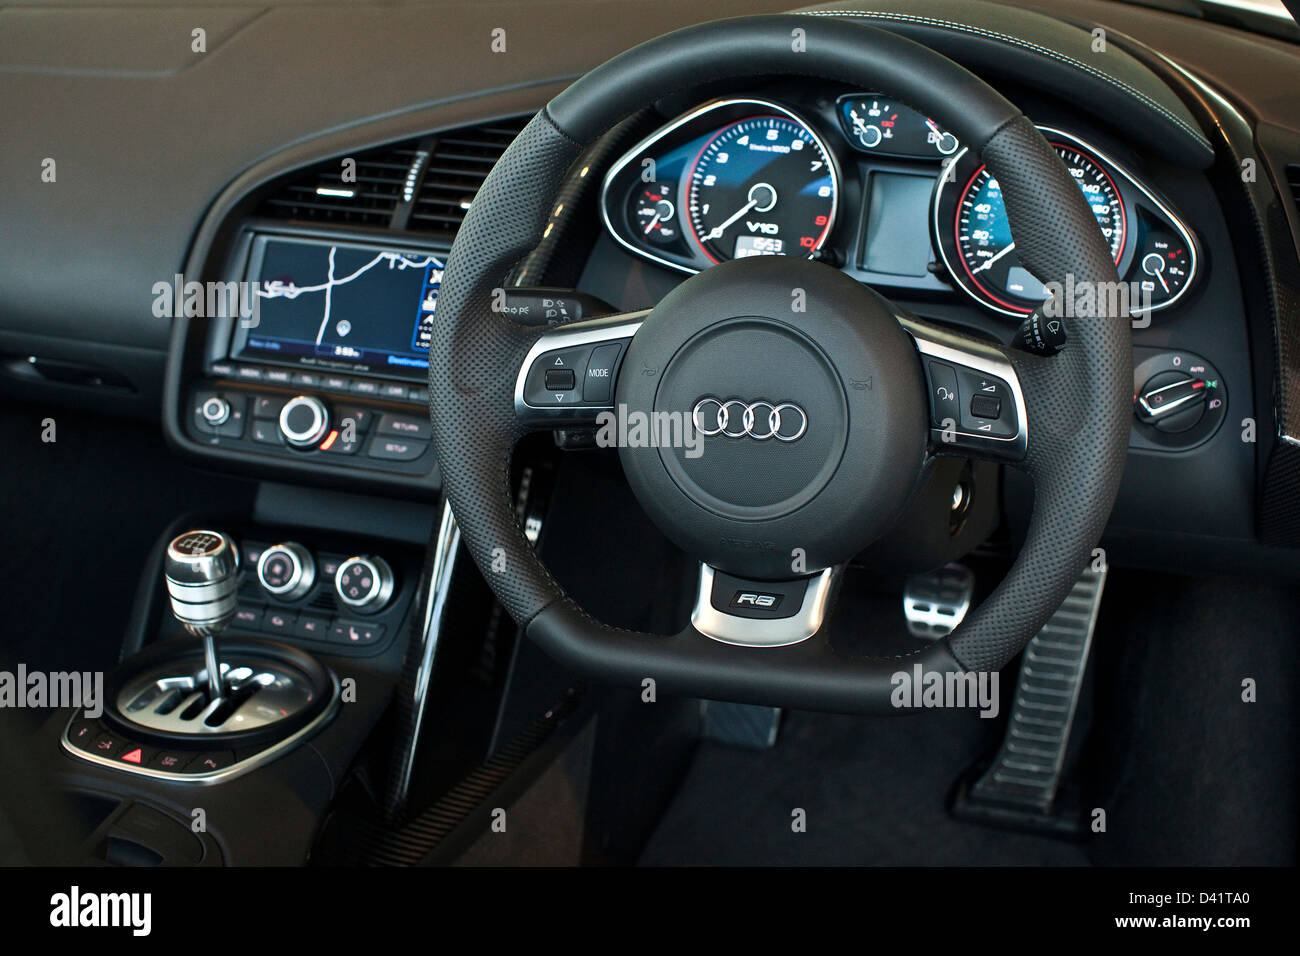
(936, 602)
(1022, 785)
(741, 725)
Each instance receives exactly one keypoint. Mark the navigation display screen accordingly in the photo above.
(340, 305)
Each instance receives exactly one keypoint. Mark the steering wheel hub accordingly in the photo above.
(782, 408)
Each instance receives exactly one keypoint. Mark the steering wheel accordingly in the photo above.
(773, 521)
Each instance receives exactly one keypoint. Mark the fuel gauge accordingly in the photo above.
(653, 213)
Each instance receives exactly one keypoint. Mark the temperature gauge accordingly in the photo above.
(876, 124)
(653, 214)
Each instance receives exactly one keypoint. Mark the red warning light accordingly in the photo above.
(329, 440)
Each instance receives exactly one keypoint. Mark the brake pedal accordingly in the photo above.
(937, 602)
(1021, 786)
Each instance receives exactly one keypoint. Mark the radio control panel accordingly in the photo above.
(363, 423)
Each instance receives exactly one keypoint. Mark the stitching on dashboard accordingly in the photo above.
(1016, 41)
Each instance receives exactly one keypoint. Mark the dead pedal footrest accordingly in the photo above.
(1021, 787)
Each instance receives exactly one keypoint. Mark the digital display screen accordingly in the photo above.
(1022, 283)
(758, 246)
(340, 305)
(897, 240)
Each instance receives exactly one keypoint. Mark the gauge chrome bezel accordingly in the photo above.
(1108, 166)
(640, 149)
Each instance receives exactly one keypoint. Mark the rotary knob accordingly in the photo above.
(215, 411)
(286, 570)
(364, 582)
(304, 421)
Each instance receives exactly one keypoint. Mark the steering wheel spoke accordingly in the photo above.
(568, 375)
(753, 613)
(976, 401)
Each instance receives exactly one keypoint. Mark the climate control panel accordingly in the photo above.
(325, 597)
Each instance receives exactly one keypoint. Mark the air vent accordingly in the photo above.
(460, 161)
(326, 192)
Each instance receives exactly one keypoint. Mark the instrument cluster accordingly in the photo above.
(878, 190)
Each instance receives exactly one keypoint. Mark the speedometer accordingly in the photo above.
(985, 246)
(764, 185)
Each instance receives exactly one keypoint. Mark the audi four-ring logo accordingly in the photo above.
(760, 420)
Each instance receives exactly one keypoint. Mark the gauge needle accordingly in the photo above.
(717, 231)
(653, 222)
(1153, 265)
(763, 205)
(989, 262)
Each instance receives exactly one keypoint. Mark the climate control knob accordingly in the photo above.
(364, 582)
(286, 570)
(304, 420)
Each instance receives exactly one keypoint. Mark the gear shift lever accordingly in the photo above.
(201, 568)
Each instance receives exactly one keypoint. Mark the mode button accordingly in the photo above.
(598, 385)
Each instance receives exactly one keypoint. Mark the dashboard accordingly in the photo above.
(876, 189)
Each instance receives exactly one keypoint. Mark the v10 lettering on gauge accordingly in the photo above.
(761, 186)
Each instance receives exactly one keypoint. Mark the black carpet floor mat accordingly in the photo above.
(873, 791)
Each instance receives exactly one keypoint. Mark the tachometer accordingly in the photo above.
(986, 249)
(764, 185)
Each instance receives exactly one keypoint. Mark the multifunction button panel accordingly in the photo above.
(305, 415)
(304, 424)
(581, 375)
(972, 409)
(96, 738)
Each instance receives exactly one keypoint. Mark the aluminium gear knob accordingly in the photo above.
(202, 573)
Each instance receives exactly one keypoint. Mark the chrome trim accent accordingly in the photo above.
(639, 149)
(444, 562)
(748, 418)
(247, 765)
(320, 421)
(1049, 131)
(1161, 410)
(958, 350)
(304, 570)
(609, 328)
(751, 632)
(275, 693)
